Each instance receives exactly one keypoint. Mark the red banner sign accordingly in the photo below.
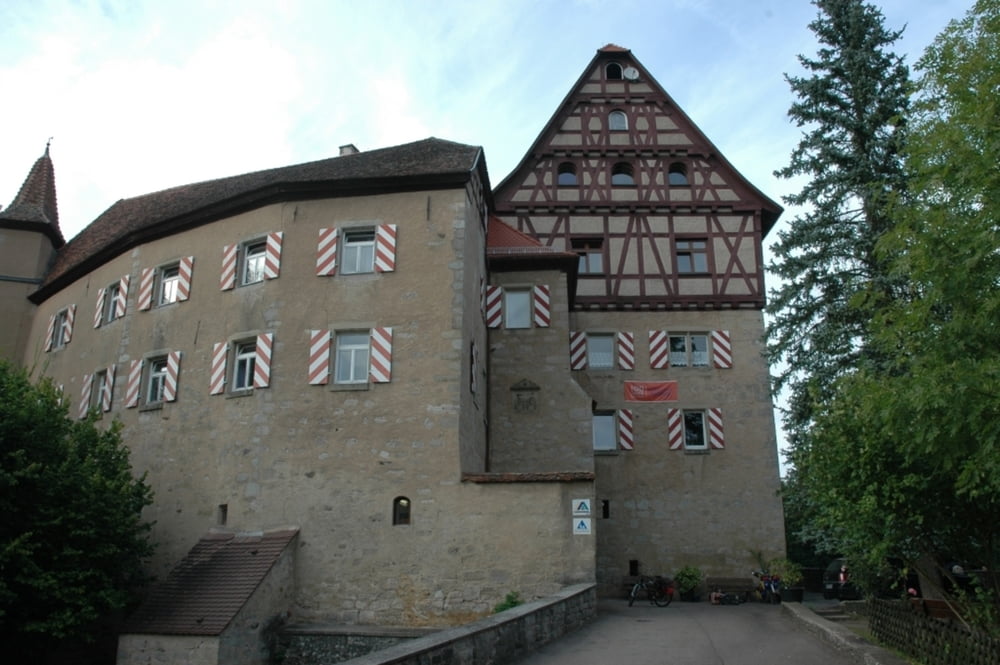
(650, 391)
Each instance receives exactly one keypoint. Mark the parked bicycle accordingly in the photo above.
(767, 589)
(658, 590)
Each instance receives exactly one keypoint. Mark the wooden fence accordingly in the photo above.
(918, 630)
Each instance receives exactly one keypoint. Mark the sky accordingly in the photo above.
(139, 95)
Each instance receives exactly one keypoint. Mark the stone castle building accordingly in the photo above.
(420, 392)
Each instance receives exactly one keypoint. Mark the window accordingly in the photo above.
(621, 174)
(692, 256)
(567, 174)
(613, 71)
(110, 305)
(167, 289)
(253, 256)
(605, 509)
(601, 351)
(351, 362)
(603, 426)
(98, 386)
(677, 175)
(617, 121)
(400, 510)
(694, 429)
(591, 255)
(688, 350)
(359, 251)
(517, 308)
(243, 365)
(60, 328)
(156, 380)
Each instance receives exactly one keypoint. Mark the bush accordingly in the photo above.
(513, 599)
(687, 579)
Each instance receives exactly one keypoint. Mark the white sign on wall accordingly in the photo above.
(581, 506)
(581, 526)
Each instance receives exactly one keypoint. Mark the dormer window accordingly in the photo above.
(618, 121)
(613, 71)
(677, 175)
(621, 174)
(567, 174)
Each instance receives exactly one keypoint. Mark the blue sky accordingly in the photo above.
(140, 95)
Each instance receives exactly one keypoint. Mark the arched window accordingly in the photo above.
(621, 174)
(617, 121)
(400, 510)
(567, 174)
(677, 174)
(613, 71)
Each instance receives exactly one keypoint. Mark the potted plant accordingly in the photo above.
(790, 579)
(688, 580)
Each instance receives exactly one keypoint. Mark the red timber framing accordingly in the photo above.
(621, 170)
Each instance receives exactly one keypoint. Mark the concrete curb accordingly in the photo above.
(840, 637)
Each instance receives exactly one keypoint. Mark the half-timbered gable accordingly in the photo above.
(622, 173)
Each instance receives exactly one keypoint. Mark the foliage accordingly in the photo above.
(687, 579)
(904, 458)
(512, 599)
(789, 571)
(852, 107)
(72, 539)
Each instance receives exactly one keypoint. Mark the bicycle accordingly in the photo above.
(658, 590)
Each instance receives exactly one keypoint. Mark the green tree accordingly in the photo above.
(72, 539)
(905, 459)
(851, 105)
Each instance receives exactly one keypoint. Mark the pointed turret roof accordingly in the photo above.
(35, 204)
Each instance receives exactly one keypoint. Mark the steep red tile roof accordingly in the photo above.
(206, 590)
(428, 164)
(35, 204)
(504, 240)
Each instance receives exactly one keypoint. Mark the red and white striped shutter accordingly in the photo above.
(494, 306)
(578, 350)
(626, 435)
(68, 324)
(88, 381)
(675, 429)
(542, 306)
(626, 350)
(272, 255)
(659, 349)
(48, 335)
(107, 390)
(173, 373)
(122, 297)
(716, 433)
(326, 252)
(146, 289)
(722, 349)
(99, 307)
(381, 355)
(385, 248)
(218, 379)
(319, 357)
(185, 272)
(228, 279)
(133, 384)
(262, 362)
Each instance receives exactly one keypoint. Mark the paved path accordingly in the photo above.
(690, 634)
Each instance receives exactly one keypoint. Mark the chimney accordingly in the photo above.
(348, 149)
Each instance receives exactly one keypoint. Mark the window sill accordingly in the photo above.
(606, 453)
(696, 451)
(152, 406)
(243, 392)
(349, 387)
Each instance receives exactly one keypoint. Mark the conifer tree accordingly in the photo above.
(851, 104)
